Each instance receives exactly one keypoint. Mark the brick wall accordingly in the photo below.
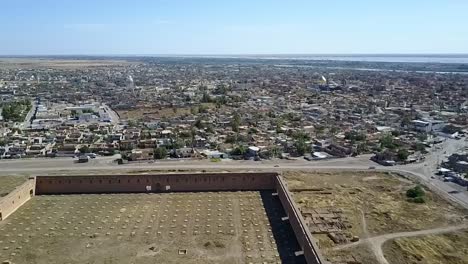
(155, 183)
(169, 183)
(303, 235)
(16, 198)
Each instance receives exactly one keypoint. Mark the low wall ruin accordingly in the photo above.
(16, 198)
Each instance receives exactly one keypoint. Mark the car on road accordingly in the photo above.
(276, 166)
(454, 192)
(83, 159)
(372, 168)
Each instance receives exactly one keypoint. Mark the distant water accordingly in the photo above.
(430, 58)
(395, 58)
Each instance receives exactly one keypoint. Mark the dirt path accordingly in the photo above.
(375, 243)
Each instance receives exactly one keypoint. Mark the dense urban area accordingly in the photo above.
(402, 127)
(228, 109)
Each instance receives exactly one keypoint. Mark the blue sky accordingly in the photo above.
(42, 27)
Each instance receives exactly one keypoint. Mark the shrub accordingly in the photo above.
(416, 195)
(415, 192)
(419, 199)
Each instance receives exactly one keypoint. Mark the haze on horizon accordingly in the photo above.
(87, 27)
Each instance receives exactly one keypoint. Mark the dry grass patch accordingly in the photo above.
(375, 198)
(448, 248)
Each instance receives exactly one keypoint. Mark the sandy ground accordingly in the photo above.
(224, 227)
(448, 248)
(8, 183)
(373, 202)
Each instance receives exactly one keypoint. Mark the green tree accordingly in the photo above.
(420, 147)
(362, 148)
(386, 141)
(235, 122)
(16, 111)
(301, 135)
(275, 152)
(84, 149)
(355, 136)
(160, 153)
(239, 150)
(402, 154)
(301, 146)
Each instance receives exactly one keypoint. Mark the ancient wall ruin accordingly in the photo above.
(303, 235)
(16, 198)
(168, 183)
(155, 183)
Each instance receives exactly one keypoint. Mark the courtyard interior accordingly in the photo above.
(179, 227)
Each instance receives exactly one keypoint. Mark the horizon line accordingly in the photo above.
(231, 54)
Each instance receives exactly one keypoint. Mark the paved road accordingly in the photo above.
(112, 114)
(27, 120)
(106, 163)
(422, 171)
(425, 171)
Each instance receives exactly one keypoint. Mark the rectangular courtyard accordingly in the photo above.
(179, 227)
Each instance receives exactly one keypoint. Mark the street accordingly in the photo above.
(422, 171)
(27, 120)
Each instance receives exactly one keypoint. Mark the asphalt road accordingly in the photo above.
(112, 114)
(27, 120)
(421, 171)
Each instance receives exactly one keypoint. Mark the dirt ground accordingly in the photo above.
(373, 199)
(8, 183)
(206, 227)
(450, 248)
(358, 254)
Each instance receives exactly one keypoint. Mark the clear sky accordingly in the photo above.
(56, 27)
